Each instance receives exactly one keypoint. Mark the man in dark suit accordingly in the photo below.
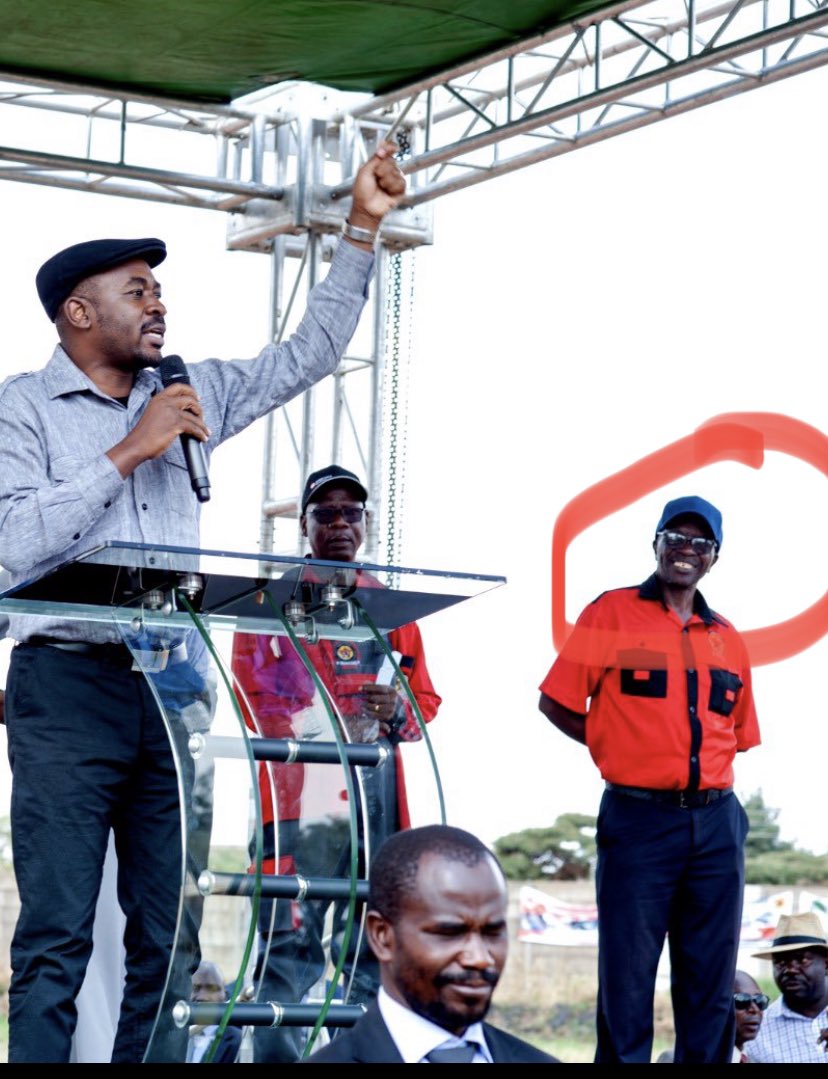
(437, 925)
(209, 988)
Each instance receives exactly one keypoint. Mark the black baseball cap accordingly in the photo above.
(58, 275)
(331, 476)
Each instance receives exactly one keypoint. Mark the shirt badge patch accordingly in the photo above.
(345, 652)
(717, 645)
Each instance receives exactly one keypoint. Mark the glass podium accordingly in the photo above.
(283, 687)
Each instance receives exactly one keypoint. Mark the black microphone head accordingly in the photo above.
(172, 370)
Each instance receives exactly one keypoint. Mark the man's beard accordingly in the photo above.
(437, 1011)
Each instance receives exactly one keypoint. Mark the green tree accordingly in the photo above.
(764, 830)
(771, 860)
(565, 851)
(787, 867)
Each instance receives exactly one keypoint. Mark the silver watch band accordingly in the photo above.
(353, 232)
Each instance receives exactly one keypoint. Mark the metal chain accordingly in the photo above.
(396, 396)
(393, 337)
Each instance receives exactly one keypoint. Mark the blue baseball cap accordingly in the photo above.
(693, 506)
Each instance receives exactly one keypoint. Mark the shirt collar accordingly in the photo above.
(415, 1036)
(789, 1013)
(62, 376)
(651, 589)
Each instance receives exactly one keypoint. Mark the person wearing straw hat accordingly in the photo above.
(795, 1029)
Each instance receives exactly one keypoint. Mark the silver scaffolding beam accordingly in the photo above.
(630, 65)
(281, 163)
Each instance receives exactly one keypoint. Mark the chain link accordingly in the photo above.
(397, 369)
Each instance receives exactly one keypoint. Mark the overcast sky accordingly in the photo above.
(569, 320)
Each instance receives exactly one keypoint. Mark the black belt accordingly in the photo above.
(108, 652)
(682, 799)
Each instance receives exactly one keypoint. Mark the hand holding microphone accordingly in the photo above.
(174, 373)
(175, 411)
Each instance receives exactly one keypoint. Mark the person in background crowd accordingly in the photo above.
(795, 1027)
(750, 1003)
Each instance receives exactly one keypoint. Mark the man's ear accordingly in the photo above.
(303, 524)
(78, 312)
(380, 933)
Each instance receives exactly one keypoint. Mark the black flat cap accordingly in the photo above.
(58, 275)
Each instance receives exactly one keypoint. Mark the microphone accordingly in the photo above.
(173, 371)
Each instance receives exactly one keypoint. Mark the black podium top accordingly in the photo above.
(243, 589)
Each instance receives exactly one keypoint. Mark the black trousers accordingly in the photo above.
(89, 752)
(663, 870)
(296, 957)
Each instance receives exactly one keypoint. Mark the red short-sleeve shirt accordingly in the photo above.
(668, 705)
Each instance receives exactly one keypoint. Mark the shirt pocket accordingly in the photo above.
(643, 672)
(724, 691)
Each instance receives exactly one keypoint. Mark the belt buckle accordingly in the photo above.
(151, 661)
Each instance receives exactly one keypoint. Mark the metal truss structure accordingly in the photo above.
(280, 165)
(630, 65)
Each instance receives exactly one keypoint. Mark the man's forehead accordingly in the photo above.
(135, 270)
(454, 884)
(801, 953)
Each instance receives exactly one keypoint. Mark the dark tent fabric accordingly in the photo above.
(218, 50)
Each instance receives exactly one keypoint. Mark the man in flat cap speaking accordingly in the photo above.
(658, 686)
(90, 451)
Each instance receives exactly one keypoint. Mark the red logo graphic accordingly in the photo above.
(734, 436)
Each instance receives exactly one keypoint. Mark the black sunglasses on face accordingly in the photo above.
(700, 544)
(326, 515)
(743, 1001)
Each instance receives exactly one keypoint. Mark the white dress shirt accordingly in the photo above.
(415, 1037)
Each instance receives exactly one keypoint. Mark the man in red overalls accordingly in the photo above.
(278, 688)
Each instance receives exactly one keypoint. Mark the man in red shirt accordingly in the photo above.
(658, 687)
(280, 690)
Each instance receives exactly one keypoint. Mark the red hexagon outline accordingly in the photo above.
(732, 436)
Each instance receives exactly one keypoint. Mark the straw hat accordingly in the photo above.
(795, 932)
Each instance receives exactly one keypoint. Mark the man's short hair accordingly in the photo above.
(394, 869)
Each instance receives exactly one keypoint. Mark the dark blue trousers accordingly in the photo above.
(89, 752)
(667, 871)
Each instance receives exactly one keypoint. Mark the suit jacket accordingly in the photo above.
(369, 1042)
(228, 1047)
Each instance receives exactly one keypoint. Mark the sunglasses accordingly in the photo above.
(743, 1001)
(700, 544)
(326, 515)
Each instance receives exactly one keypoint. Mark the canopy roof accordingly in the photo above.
(218, 50)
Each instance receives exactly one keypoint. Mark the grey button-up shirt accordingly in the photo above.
(60, 495)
